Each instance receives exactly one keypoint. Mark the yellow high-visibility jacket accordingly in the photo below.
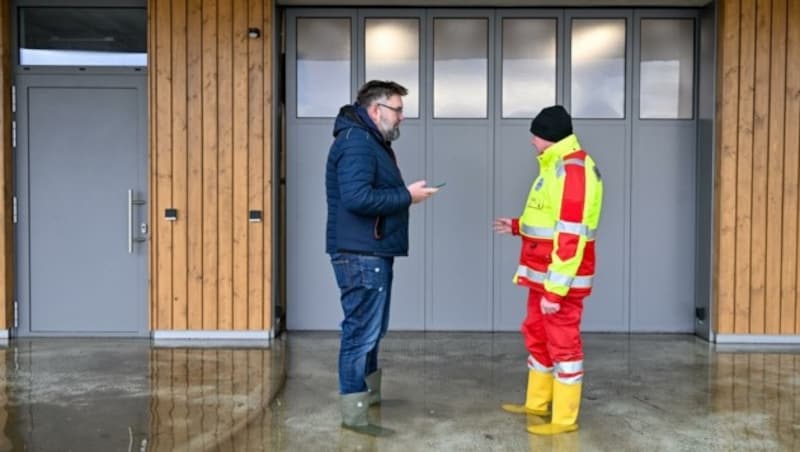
(559, 223)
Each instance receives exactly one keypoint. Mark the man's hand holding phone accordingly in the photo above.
(420, 191)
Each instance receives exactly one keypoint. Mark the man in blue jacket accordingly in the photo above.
(368, 204)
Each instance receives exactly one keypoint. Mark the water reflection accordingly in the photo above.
(443, 392)
(763, 388)
(213, 399)
(67, 394)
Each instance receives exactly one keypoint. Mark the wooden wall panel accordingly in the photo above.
(161, 112)
(789, 305)
(210, 94)
(225, 163)
(759, 151)
(180, 137)
(756, 248)
(240, 173)
(744, 182)
(788, 295)
(725, 214)
(777, 82)
(194, 214)
(260, 190)
(6, 162)
(210, 166)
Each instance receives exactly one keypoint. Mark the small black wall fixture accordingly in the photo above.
(253, 32)
(171, 214)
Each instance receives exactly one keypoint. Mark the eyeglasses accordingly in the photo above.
(398, 110)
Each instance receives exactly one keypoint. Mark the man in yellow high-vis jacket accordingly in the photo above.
(558, 228)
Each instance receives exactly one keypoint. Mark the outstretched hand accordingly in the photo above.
(502, 225)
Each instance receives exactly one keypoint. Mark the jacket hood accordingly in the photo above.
(351, 116)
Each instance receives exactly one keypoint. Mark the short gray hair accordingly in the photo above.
(377, 90)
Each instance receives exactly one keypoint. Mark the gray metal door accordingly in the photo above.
(459, 274)
(81, 183)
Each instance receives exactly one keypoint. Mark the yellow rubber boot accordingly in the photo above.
(540, 393)
(566, 405)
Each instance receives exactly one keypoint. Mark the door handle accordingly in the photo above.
(131, 203)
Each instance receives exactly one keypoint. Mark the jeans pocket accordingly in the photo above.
(347, 273)
(373, 273)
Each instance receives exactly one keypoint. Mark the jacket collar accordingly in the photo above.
(558, 150)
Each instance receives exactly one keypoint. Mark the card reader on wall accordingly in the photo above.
(171, 214)
(255, 216)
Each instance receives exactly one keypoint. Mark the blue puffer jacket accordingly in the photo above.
(367, 198)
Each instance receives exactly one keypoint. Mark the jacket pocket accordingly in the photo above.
(535, 252)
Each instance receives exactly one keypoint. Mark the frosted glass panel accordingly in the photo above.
(667, 69)
(529, 66)
(598, 68)
(460, 68)
(323, 66)
(392, 53)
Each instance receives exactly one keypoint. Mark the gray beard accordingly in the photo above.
(392, 134)
(389, 134)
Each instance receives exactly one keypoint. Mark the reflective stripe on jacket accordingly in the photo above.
(559, 223)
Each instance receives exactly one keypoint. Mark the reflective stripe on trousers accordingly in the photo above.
(569, 372)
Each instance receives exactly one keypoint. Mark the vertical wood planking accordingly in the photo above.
(744, 167)
(179, 165)
(775, 125)
(163, 180)
(225, 170)
(256, 106)
(760, 152)
(790, 312)
(210, 174)
(264, 162)
(210, 103)
(194, 214)
(790, 179)
(756, 266)
(240, 170)
(725, 214)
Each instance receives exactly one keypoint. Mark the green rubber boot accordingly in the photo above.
(354, 409)
(374, 387)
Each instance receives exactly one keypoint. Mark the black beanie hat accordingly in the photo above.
(552, 124)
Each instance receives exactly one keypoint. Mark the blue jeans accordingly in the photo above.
(366, 286)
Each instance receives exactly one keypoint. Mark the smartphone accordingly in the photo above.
(438, 185)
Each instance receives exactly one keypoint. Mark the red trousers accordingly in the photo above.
(553, 338)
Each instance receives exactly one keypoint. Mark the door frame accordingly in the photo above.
(88, 77)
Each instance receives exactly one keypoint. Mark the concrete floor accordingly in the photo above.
(442, 391)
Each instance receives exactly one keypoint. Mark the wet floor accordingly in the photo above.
(442, 391)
